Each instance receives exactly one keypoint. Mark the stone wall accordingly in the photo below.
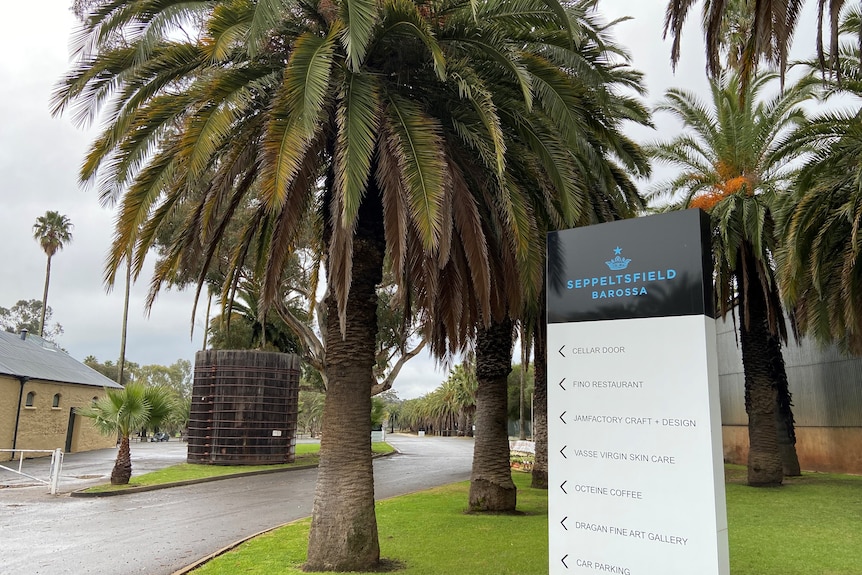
(43, 426)
(9, 389)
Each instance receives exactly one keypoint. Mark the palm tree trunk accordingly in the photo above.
(45, 298)
(469, 420)
(122, 472)
(491, 485)
(522, 420)
(540, 399)
(344, 525)
(121, 365)
(784, 422)
(764, 462)
(207, 318)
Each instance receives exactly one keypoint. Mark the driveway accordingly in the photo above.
(88, 468)
(158, 532)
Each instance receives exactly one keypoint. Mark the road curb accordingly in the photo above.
(145, 488)
(203, 560)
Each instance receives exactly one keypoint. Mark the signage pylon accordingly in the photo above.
(635, 471)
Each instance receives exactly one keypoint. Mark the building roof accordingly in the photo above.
(37, 358)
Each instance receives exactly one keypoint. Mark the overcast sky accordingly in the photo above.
(40, 156)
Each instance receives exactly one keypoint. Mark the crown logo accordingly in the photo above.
(619, 262)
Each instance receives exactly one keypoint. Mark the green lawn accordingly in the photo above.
(811, 526)
(306, 454)
(427, 532)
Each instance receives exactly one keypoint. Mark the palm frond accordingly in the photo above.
(295, 116)
(421, 161)
(357, 122)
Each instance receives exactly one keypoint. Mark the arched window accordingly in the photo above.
(30, 397)
(56, 402)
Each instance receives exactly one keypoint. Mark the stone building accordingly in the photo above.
(40, 387)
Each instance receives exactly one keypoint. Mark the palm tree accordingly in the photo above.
(766, 37)
(123, 411)
(734, 167)
(410, 114)
(53, 231)
(819, 261)
(460, 392)
(452, 404)
(605, 161)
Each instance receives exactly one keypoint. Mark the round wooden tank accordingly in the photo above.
(244, 408)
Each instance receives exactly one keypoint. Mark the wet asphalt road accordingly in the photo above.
(158, 532)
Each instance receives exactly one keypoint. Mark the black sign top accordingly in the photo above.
(643, 267)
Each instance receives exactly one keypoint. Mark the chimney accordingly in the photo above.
(24, 333)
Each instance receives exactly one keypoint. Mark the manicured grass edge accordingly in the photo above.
(203, 560)
(144, 488)
(232, 546)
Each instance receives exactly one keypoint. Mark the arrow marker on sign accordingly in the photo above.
(563, 454)
(564, 561)
(561, 350)
(562, 484)
(563, 522)
(561, 417)
(561, 383)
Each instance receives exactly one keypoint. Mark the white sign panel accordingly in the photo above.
(634, 434)
(636, 480)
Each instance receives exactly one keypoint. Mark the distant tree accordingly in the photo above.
(178, 420)
(233, 334)
(378, 413)
(26, 314)
(310, 412)
(392, 408)
(122, 411)
(177, 377)
(452, 405)
(111, 370)
(52, 231)
(514, 390)
(244, 325)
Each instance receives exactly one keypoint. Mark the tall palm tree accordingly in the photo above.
(409, 115)
(819, 263)
(123, 411)
(734, 166)
(53, 231)
(767, 37)
(605, 162)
